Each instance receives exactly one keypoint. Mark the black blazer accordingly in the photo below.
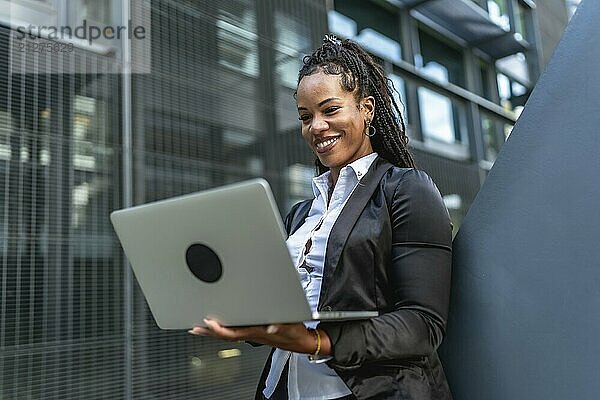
(389, 251)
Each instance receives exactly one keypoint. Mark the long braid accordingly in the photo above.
(358, 71)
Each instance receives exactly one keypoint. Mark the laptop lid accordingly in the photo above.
(219, 253)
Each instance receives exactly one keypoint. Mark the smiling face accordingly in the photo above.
(333, 124)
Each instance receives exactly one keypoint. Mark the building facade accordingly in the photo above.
(79, 139)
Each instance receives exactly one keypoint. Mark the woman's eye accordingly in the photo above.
(329, 110)
(304, 117)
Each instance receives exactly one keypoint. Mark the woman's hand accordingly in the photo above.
(292, 337)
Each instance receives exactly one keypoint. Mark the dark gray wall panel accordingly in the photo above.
(525, 311)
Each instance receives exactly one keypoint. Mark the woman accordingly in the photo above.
(375, 237)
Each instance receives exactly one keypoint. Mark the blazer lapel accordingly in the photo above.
(349, 215)
(299, 216)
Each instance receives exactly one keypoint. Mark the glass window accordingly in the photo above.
(503, 87)
(484, 76)
(341, 25)
(522, 14)
(37, 13)
(489, 133)
(96, 10)
(299, 183)
(380, 45)
(436, 71)
(373, 27)
(237, 39)
(513, 94)
(89, 129)
(514, 65)
(440, 61)
(5, 131)
(442, 119)
(498, 11)
(292, 37)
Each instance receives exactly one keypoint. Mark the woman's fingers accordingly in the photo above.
(221, 331)
(198, 330)
(215, 329)
(294, 337)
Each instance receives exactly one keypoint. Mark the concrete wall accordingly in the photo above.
(524, 317)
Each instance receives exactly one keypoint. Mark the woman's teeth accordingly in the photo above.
(326, 143)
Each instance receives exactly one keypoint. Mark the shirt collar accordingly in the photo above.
(359, 167)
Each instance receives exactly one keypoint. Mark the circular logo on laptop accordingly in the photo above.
(204, 263)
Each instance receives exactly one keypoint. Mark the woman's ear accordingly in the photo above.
(368, 105)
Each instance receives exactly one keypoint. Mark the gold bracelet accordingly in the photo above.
(318, 337)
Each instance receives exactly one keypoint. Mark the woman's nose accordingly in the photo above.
(319, 124)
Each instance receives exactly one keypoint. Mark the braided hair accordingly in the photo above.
(359, 72)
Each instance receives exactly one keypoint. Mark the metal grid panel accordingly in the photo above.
(61, 331)
(210, 114)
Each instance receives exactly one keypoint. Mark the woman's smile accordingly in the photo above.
(326, 144)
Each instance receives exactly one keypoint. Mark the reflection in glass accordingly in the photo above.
(5, 129)
(440, 61)
(484, 76)
(292, 38)
(380, 45)
(499, 13)
(237, 39)
(517, 89)
(441, 119)
(88, 129)
(521, 15)
(515, 65)
(373, 27)
(503, 87)
(92, 155)
(490, 138)
(299, 183)
(341, 25)
(513, 94)
(96, 10)
(436, 71)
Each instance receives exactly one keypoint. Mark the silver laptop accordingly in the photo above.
(220, 254)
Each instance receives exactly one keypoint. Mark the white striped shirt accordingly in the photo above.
(306, 380)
